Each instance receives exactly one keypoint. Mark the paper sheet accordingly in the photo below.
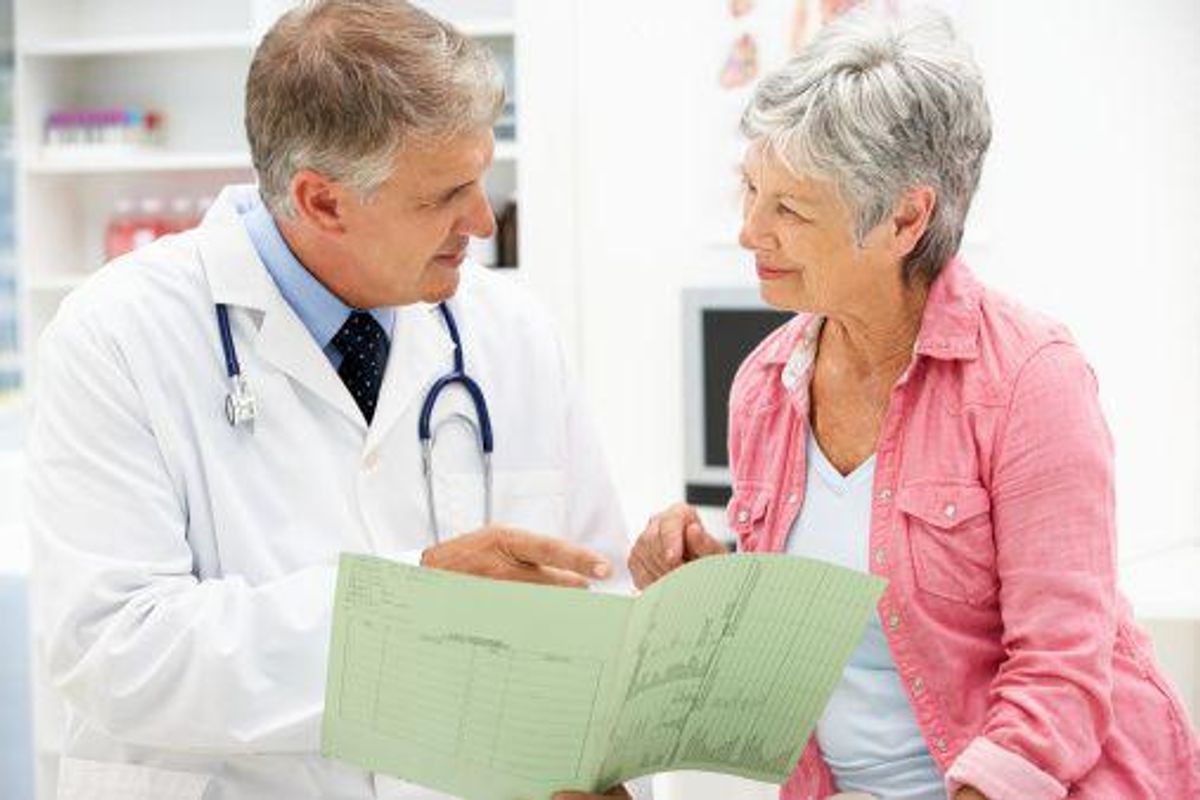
(499, 691)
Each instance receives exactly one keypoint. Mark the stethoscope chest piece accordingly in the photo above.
(241, 406)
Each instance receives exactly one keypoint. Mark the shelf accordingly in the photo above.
(1161, 586)
(506, 150)
(498, 28)
(56, 283)
(106, 163)
(14, 545)
(139, 45)
(237, 41)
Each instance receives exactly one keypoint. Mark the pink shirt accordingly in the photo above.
(993, 522)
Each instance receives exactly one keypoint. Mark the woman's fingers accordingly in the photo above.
(643, 573)
(700, 544)
(669, 540)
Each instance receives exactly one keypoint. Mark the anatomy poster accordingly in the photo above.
(749, 38)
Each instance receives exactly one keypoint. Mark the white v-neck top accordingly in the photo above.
(867, 734)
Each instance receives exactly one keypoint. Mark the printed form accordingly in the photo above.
(503, 691)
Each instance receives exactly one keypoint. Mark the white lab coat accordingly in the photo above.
(184, 570)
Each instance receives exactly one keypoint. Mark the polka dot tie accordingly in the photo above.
(364, 347)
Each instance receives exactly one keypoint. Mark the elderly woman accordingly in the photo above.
(911, 422)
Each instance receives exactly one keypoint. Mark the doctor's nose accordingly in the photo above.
(480, 220)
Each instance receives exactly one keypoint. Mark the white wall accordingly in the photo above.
(1088, 211)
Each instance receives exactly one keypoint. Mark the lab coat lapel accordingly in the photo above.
(287, 345)
(238, 278)
(421, 351)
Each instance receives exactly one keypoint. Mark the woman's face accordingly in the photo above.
(801, 233)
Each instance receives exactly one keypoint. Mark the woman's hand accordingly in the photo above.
(616, 791)
(969, 793)
(670, 540)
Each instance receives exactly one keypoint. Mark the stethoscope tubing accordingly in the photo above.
(241, 407)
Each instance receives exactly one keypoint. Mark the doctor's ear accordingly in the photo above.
(319, 201)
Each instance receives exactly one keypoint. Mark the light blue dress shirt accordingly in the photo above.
(318, 308)
(867, 733)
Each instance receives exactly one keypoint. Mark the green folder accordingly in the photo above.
(491, 690)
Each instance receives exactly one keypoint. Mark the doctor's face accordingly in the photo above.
(408, 240)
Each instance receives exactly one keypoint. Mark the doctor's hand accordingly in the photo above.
(509, 554)
(671, 539)
(616, 791)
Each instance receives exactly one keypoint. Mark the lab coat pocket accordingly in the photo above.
(950, 538)
(534, 500)
(82, 779)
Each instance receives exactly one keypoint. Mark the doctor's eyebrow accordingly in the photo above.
(448, 194)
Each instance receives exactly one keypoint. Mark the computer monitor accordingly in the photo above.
(721, 326)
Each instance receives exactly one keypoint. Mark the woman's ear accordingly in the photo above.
(910, 219)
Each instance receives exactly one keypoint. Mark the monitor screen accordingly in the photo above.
(729, 335)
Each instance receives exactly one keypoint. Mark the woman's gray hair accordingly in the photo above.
(339, 86)
(878, 105)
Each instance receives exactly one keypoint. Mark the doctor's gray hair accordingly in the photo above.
(339, 86)
(878, 105)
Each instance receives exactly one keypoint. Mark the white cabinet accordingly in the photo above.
(187, 60)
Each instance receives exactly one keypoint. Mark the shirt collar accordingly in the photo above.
(950, 323)
(949, 327)
(321, 311)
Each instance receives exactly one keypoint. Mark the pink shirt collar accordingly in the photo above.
(949, 327)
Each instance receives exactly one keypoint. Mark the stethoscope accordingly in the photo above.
(241, 409)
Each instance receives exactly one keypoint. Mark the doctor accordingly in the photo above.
(185, 559)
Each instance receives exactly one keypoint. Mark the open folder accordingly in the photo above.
(497, 691)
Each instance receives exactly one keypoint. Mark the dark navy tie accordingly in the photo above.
(363, 344)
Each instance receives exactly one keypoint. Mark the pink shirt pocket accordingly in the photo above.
(949, 531)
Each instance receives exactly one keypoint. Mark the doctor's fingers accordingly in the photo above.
(545, 576)
(523, 548)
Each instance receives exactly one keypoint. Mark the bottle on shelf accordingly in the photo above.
(150, 222)
(118, 237)
(506, 234)
(183, 214)
(102, 129)
(135, 224)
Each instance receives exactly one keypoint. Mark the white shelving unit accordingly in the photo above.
(75, 47)
(9, 338)
(100, 164)
(188, 60)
